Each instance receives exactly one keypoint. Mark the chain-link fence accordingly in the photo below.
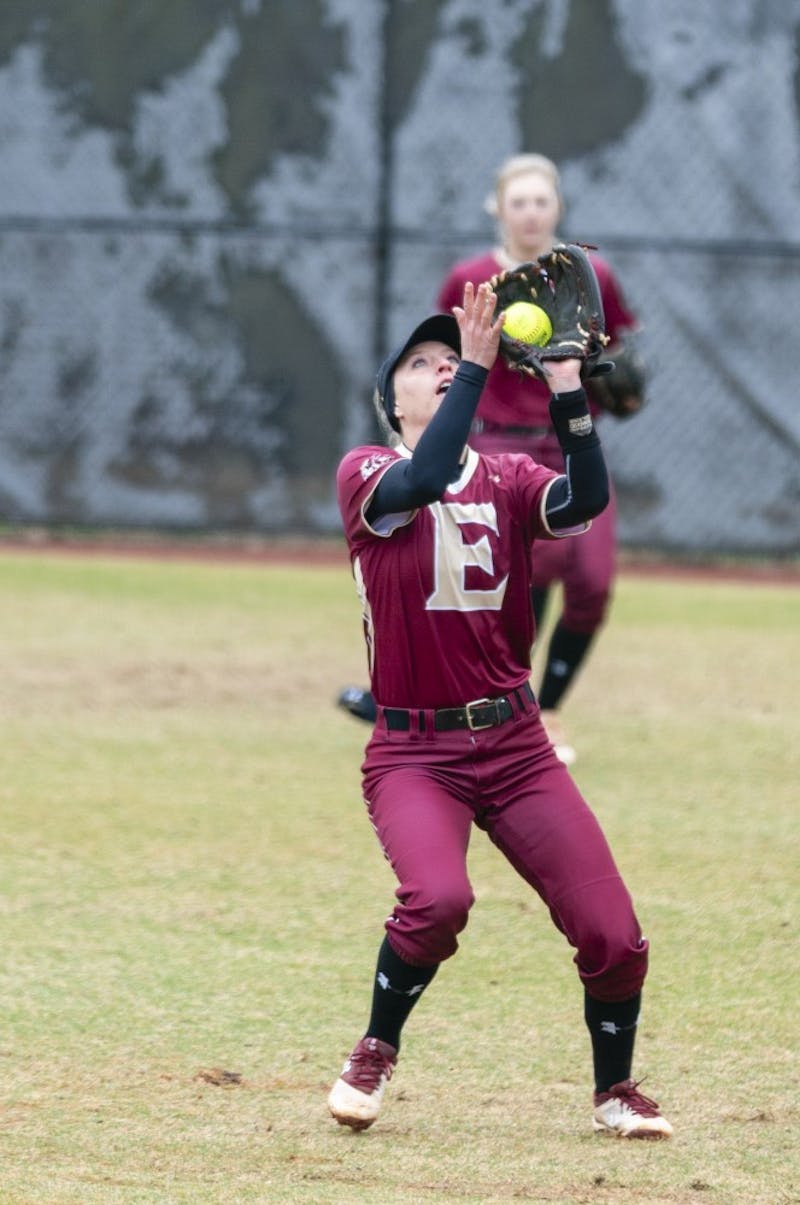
(213, 224)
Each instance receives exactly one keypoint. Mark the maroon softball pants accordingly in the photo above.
(424, 792)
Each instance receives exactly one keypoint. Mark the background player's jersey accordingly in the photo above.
(509, 398)
(445, 589)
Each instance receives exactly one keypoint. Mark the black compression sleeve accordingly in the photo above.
(583, 491)
(435, 460)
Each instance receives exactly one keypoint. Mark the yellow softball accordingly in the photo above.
(528, 322)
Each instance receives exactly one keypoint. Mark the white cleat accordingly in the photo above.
(565, 754)
(626, 1113)
(355, 1098)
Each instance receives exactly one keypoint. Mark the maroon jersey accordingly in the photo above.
(445, 589)
(510, 399)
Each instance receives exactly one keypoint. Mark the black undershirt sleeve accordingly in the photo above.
(580, 494)
(583, 491)
(435, 461)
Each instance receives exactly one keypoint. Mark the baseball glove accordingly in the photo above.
(564, 284)
(622, 391)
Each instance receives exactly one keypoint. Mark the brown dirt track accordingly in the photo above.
(331, 551)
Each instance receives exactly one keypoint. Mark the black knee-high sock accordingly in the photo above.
(564, 655)
(613, 1031)
(398, 987)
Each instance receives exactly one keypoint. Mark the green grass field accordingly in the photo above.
(192, 900)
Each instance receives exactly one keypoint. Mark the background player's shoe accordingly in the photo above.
(355, 1099)
(358, 702)
(625, 1112)
(555, 730)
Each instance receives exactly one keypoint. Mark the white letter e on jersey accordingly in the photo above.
(452, 556)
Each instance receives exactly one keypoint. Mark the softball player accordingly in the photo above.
(440, 539)
(513, 416)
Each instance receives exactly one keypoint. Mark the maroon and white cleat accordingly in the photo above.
(355, 1098)
(625, 1112)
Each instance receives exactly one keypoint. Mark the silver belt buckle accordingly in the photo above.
(471, 724)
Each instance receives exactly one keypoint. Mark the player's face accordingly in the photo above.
(529, 211)
(421, 380)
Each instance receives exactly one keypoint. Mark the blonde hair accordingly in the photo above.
(521, 165)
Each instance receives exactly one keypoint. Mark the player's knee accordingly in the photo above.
(619, 968)
(448, 907)
(440, 915)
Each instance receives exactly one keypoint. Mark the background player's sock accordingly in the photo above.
(565, 653)
(398, 987)
(613, 1030)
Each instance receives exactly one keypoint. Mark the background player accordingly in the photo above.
(513, 416)
(440, 542)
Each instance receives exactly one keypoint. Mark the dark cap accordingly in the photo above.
(439, 328)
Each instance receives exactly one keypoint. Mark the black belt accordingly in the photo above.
(480, 425)
(481, 713)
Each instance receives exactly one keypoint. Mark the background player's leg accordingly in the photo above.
(587, 579)
(565, 653)
(539, 598)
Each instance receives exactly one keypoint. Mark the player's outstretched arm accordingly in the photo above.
(435, 460)
(583, 491)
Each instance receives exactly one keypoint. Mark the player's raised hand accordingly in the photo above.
(562, 376)
(480, 330)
